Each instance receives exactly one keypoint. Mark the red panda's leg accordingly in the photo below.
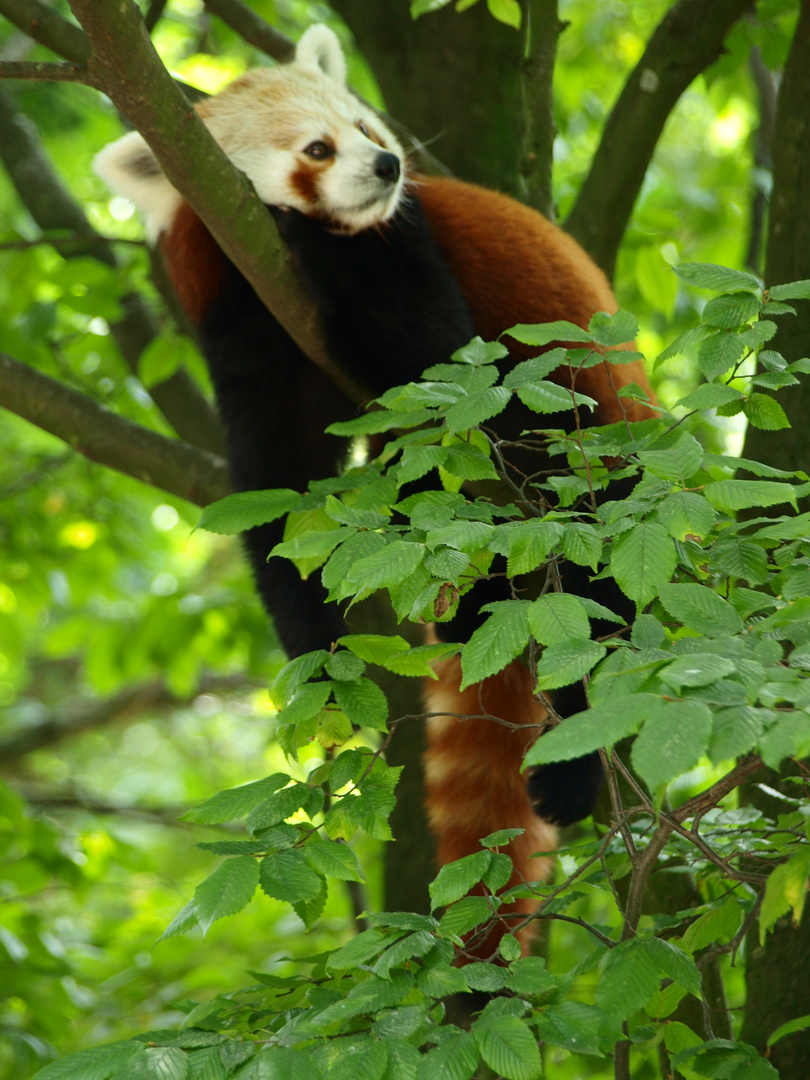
(474, 781)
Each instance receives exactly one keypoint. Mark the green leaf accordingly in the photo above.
(167, 1063)
(465, 915)
(731, 310)
(701, 609)
(502, 637)
(99, 1063)
(469, 536)
(363, 702)
(612, 330)
(417, 461)
(284, 1063)
(558, 617)
(350, 515)
(506, 11)
(676, 965)
(185, 919)
(717, 278)
(331, 858)
(581, 544)
(545, 333)
(720, 352)
(530, 544)
(236, 802)
(535, 369)
(630, 977)
(711, 395)
(508, 1047)
(456, 1058)
(549, 397)
(678, 463)
(795, 290)
(685, 513)
(737, 731)
(375, 648)
(790, 1028)
(387, 567)
(766, 413)
(672, 740)
(735, 495)
(315, 544)
(287, 875)
(344, 666)
(366, 946)
(716, 926)
(565, 663)
(642, 560)
(785, 890)
(603, 725)
(455, 879)
(245, 509)
(419, 661)
(696, 670)
(226, 891)
(474, 410)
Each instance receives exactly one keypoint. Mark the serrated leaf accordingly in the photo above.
(315, 544)
(701, 609)
(696, 670)
(785, 890)
(333, 859)
(711, 395)
(97, 1063)
(287, 875)
(344, 666)
(765, 412)
(530, 977)
(508, 1047)
(503, 636)
(379, 420)
(475, 409)
(716, 926)
(565, 663)
(419, 661)
(236, 802)
(185, 919)
(742, 494)
(603, 725)
(549, 397)
(387, 567)
(351, 515)
(678, 463)
(720, 352)
(535, 369)
(731, 310)
(676, 965)
(581, 544)
(417, 461)
(440, 980)
(229, 889)
(630, 977)
(166, 1063)
(685, 513)
(465, 915)
(456, 1058)
(545, 333)
(284, 1063)
(612, 330)
(363, 702)
(375, 648)
(530, 545)
(672, 740)
(737, 731)
(246, 509)
(794, 290)
(717, 278)
(455, 879)
(642, 560)
(558, 617)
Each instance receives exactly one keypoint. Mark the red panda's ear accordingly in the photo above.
(130, 168)
(320, 48)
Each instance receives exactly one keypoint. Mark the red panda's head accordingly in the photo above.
(297, 131)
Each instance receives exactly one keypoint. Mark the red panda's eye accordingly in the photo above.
(361, 127)
(319, 150)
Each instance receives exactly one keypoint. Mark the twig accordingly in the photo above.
(44, 25)
(44, 72)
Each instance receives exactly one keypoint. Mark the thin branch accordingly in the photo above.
(111, 440)
(688, 39)
(43, 24)
(255, 30)
(154, 13)
(128, 68)
(52, 206)
(34, 69)
(80, 716)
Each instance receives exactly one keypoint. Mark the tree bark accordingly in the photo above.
(788, 253)
(688, 39)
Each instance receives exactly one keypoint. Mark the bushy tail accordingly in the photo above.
(476, 739)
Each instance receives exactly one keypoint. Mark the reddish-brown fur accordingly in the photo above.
(473, 778)
(514, 266)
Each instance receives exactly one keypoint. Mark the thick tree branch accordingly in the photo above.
(84, 715)
(688, 39)
(43, 25)
(52, 207)
(41, 72)
(542, 30)
(126, 65)
(253, 28)
(111, 440)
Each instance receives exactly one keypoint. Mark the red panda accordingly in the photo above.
(403, 270)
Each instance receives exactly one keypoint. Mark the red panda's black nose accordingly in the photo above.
(387, 167)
